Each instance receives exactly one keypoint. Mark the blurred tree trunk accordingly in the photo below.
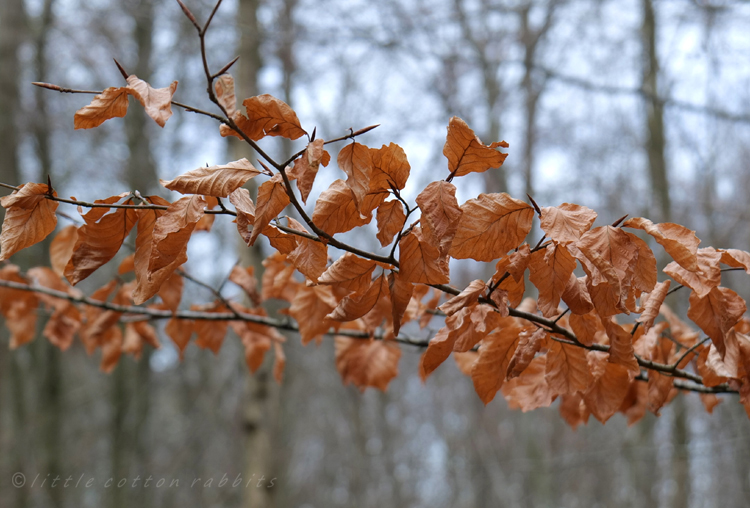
(12, 22)
(131, 392)
(655, 142)
(141, 173)
(259, 410)
(285, 53)
(656, 148)
(47, 356)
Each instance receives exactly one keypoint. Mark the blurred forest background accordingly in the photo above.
(638, 106)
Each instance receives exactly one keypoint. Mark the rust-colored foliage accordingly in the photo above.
(598, 338)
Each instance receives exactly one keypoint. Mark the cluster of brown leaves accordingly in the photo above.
(532, 351)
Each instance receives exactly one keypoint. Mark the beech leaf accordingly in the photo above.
(224, 88)
(29, 218)
(156, 101)
(336, 212)
(679, 241)
(306, 167)
(367, 363)
(148, 282)
(357, 305)
(489, 370)
(111, 103)
(490, 226)
(270, 116)
(310, 308)
(702, 280)
(440, 214)
(420, 261)
(653, 305)
(550, 270)
(355, 160)
(390, 168)
(467, 154)
(172, 231)
(272, 199)
(217, 181)
(391, 219)
(99, 239)
(567, 369)
(716, 313)
(349, 272)
(566, 223)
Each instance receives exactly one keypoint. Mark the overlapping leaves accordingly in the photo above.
(570, 344)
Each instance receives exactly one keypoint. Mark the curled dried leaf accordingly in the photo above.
(467, 154)
(156, 101)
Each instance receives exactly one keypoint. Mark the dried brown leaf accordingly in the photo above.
(390, 168)
(550, 270)
(528, 346)
(490, 226)
(111, 103)
(217, 181)
(576, 296)
(269, 116)
(306, 167)
(620, 345)
(172, 231)
(148, 282)
(679, 241)
(421, 262)
(401, 293)
(566, 223)
(367, 363)
(349, 272)
(706, 277)
(716, 313)
(610, 386)
(272, 199)
(99, 239)
(465, 298)
(29, 218)
(224, 88)
(310, 308)
(391, 219)
(467, 154)
(495, 353)
(357, 305)
(567, 369)
(336, 212)
(156, 101)
(355, 160)
(653, 304)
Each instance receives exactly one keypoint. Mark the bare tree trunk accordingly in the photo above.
(12, 404)
(131, 394)
(141, 169)
(47, 356)
(661, 206)
(12, 21)
(260, 402)
(286, 55)
(655, 143)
